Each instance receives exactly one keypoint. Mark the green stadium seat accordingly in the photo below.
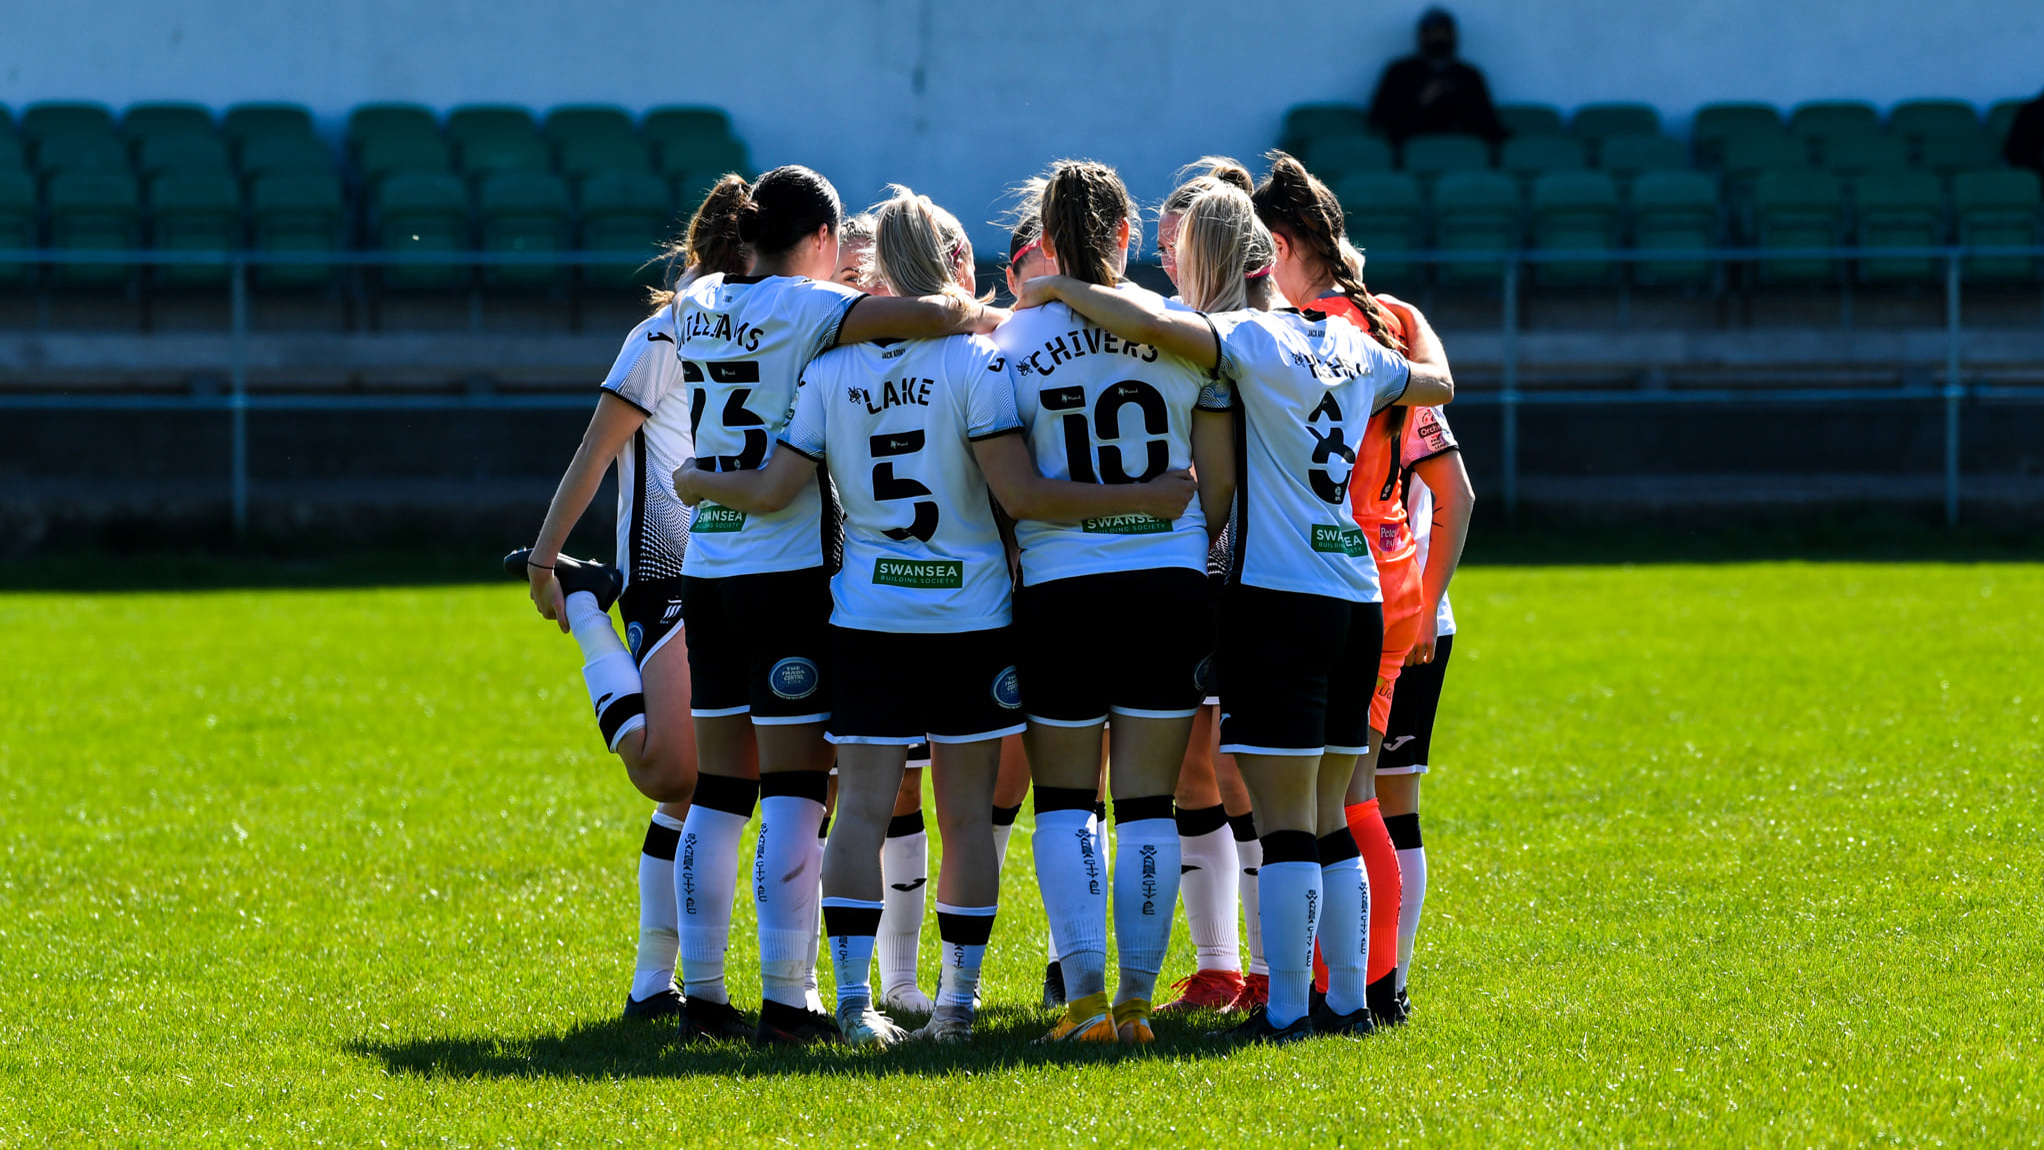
(61, 117)
(275, 155)
(1917, 120)
(1797, 209)
(180, 152)
(1303, 123)
(588, 122)
(1428, 157)
(1475, 212)
(624, 211)
(1834, 117)
(1527, 157)
(1531, 119)
(194, 211)
(583, 155)
(17, 221)
(523, 212)
(144, 121)
(11, 156)
(416, 212)
(2001, 115)
(247, 121)
(1748, 156)
(1575, 211)
(1385, 217)
(677, 122)
(296, 213)
(474, 121)
(96, 151)
(377, 121)
(1715, 124)
(1857, 153)
(1331, 157)
(383, 156)
(1998, 207)
(1625, 155)
(1596, 121)
(701, 158)
(92, 211)
(1950, 152)
(1899, 209)
(487, 153)
(1675, 211)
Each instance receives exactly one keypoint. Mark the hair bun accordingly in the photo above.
(748, 221)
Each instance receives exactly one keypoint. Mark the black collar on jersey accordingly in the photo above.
(731, 279)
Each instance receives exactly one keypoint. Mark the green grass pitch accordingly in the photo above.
(1721, 855)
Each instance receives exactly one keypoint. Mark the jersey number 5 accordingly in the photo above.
(886, 485)
(735, 417)
(1106, 424)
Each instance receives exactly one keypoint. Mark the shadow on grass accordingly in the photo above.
(635, 1048)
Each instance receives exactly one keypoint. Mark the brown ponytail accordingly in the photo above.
(710, 244)
(1082, 204)
(1295, 205)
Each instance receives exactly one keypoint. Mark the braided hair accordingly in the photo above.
(1295, 205)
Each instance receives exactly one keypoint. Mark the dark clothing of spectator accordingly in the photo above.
(1422, 93)
(2025, 146)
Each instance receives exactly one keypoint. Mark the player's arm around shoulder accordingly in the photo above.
(773, 487)
(1430, 383)
(1137, 316)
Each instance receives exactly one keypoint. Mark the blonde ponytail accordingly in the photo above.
(917, 246)
(1220, 242)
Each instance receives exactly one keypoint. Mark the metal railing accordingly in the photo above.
(1510, 396)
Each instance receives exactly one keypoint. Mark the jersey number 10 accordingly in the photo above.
(1106, 424)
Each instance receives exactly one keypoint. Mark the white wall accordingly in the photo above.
(959, 98)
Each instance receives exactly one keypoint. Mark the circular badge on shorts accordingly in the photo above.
(1203, 677)
(634, 635)
(794, 678)
(1008, 689)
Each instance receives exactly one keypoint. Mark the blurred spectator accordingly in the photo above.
(1433, 91)
(2025, 145)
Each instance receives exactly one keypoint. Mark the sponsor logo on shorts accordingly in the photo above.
(1125, 525)
(794, 678)
(1203, 676)
(1340, 541)
(634, 635)
(919, 572)
(711, 518)
(1008, 689)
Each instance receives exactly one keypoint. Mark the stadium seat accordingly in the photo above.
(487, 153)
(1386, 218)
(415, 212)
(93, 151)
(247, 121)
(1957, 151)
(387, 155)
(1747, 156)
(268, 155)
(1857, 153)
(1331, 157)
(1526, 157)
(1575, 211)
(1917, 120)
(11, 157)
(1675, 211)
(588, 122)
(1715, 124)
(1998, 207)
(2000, 116)
(92, 211)
(701, 159)
(1531, 119)
(1303, 124)
(623, 211)
(17, 221)
(380, 121)
(523, 212)
(474, 121)
(1899, 209)
(1428, 157)
(582, 156)
(1593, 122)
(296, 213)
(142, 122)
(1625, 155)
(65, 118)
(194, 211)
(1834, 117)
(1475, 212)
(1797, 209)
(180, 152)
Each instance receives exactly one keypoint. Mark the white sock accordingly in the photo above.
(1073, 878)
(849, 924)
(1145, 892)
(1345, 932)
(1208, 882)
(905, 875)
(705, 880)
(785, 872)
(1412, 880)
(1290, 897)
(1004, 825)
(1249, 852)
(608, 670)
(659, 925)
(964, 931)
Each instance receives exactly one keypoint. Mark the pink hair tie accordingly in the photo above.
(1022, 253)
(1259, 273)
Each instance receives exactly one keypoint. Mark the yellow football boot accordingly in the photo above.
(1086, 1020)
(1132, 1022)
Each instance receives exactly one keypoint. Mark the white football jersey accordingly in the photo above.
(743, 342)
(894, 423)
(652, 525)
(1308, 386)
(1426, 435)
(1098, 409)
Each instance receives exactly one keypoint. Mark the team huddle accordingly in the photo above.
(1170, 558)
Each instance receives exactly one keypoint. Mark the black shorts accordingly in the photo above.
(759, 644)
(1411, 734)
(652, 614)
(1134, 643)
(1297, 672)
(898, 689)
